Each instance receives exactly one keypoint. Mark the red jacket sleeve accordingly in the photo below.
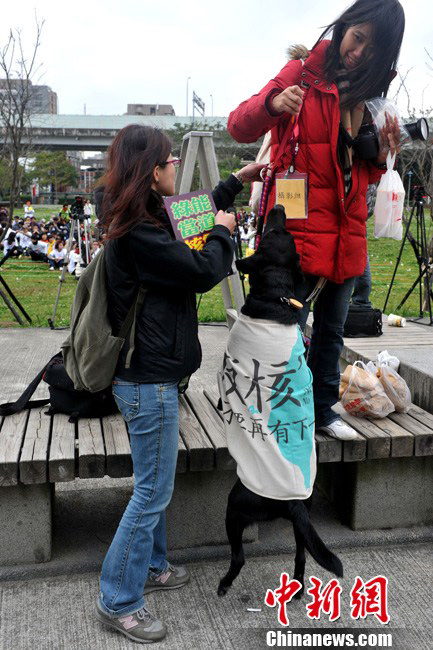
(251, 119)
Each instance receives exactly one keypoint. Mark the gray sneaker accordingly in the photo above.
(140, 626)
(174, 578)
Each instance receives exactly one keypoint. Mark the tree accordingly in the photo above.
(6, 178)
(17, 67)
(53, 168)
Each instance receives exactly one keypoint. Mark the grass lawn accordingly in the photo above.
(36, 287)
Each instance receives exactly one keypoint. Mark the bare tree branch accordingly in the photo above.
(18, 68)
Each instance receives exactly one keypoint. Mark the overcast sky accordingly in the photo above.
(108, 54)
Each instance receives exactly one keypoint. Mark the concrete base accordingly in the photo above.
(25, 530)
(388, 493)
(196, 514)
(195, 517)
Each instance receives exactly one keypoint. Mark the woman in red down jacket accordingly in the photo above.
(327, 92)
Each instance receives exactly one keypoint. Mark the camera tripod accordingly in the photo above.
(424, 261)
(11, 298)
(84, 246)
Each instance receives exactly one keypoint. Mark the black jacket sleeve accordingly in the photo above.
(163, 262)
(225, 192)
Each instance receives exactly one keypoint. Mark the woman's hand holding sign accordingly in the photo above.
(225, 219)
(289, 101)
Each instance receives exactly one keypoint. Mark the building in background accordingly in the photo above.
(150, 109)
(42, 98)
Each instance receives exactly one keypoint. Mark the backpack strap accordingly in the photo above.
(131, 322)
(9, 408)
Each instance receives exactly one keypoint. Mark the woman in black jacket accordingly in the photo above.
(141, 250)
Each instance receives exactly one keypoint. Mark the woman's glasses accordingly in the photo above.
(176, 162)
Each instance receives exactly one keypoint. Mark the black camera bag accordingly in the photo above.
(363, 321)
(63, 396)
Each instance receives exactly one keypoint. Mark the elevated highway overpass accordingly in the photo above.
(96, 132)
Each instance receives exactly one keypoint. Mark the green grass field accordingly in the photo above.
(36, 287)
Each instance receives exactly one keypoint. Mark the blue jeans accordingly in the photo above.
(362, 288)
(152, 414)
(329, 314)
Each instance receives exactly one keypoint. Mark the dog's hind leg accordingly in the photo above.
(235, 526)
(299, 572)
(313, 543)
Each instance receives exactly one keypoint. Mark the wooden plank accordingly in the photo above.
(117, 447)
(212, 395)
(182, 457)
(328, 449)
(11, 440)
(201, 454)
(422, 416)
(61, 464)
(423, 435)
(378, 442)
(402, 441)
(91, 452)
(354, 450)
(214, 428)
(34, 454)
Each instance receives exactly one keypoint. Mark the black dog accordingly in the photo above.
(274, 273)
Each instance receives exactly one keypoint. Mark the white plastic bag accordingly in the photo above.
(395, 387)
(388, 211)
(384, 358)
(363, 394)
(380, 108)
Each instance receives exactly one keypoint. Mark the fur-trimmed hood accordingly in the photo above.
(296, 52)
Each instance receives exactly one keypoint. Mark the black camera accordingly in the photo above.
(366, 143)
(77, 209)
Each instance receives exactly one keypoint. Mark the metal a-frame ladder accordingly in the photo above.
(199, 145)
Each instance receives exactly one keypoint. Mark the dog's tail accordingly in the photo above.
(313, 543)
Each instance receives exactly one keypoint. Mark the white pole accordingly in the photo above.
(188, 78)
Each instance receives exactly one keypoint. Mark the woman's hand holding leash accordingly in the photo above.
(289, 101)
(252, 172)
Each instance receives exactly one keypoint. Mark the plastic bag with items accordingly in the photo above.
(388, 209)
(362, 393)
(384, 358)
(395, 387)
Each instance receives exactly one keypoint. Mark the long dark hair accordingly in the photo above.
(372, 77)
(134, 153)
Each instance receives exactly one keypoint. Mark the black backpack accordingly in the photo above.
(63, 396)
(363, 321)
(79, 377)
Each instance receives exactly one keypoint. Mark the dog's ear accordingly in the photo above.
(276, 219)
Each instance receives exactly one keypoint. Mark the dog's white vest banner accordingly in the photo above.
(266, 391)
